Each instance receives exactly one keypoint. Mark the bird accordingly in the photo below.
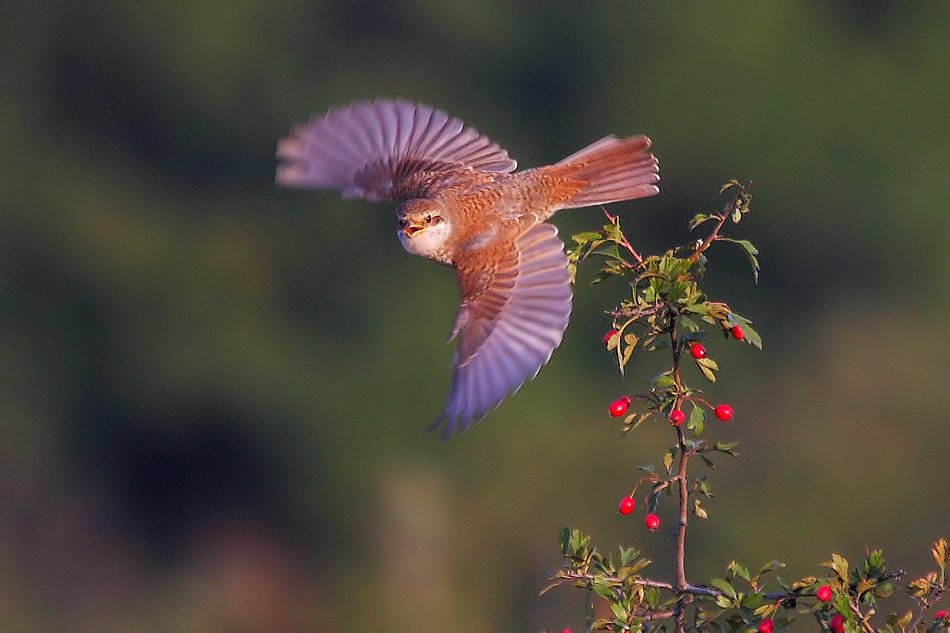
(460, 202)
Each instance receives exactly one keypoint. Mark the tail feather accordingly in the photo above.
(611, 170)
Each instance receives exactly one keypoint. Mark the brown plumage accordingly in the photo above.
(462, 206)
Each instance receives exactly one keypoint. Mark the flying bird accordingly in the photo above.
(462, 204)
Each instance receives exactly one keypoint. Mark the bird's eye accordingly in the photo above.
(428, 219)
(403, 221)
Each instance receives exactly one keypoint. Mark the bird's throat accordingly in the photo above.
(431, 242)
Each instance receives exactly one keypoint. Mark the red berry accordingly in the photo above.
(565, 631)
(608, 335)
(724, 412)
(619, 406)
(837, 623)
(824, 593)
(737, 332)
(626, 399)
(697, 350)
(652, 522)
(766, 626)
(942, 614)
(627, 504)
(677, 417)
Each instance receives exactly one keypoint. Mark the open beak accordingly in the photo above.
(409, 229)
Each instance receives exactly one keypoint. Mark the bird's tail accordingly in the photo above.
(610, 170)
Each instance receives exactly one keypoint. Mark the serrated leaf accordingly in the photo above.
(688, 323)
(839, 565)
(628, 555)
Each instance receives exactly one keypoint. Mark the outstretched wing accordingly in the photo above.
(385, 150)
(512, 317)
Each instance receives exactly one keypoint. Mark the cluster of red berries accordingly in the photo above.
(627, 506)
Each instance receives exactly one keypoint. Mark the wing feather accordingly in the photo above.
(385, 150)
(508, 327)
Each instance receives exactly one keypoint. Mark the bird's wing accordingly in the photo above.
(386, 150)
(512, 317)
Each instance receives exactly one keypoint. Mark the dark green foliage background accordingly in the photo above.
(217, 388)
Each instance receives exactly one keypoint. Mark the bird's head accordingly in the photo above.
(423, 228)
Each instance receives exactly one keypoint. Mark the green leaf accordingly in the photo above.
(752, 336)
(619, 611)
(697, 420)
(664, 380)
(750, 251)
(668, 462)
(770, 566)
(608, 250)
(565, 538)
(740, 570)
(585, 237)
(602, 588)
(727, 448)
(628, 555)
(651, 595)
(700, 218)
(840, 566)
(752, 601)
(725, 587)
(709, 367)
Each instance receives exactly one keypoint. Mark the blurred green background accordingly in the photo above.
(217, 389)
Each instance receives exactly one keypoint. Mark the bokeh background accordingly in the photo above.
(217, 389)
